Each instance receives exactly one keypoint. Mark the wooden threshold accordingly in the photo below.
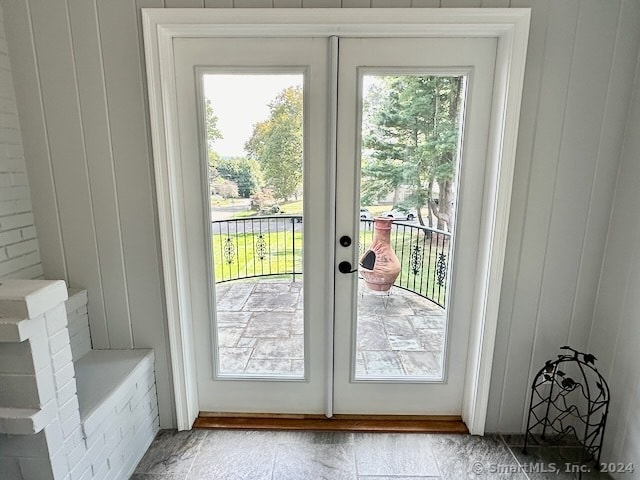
(338, 423)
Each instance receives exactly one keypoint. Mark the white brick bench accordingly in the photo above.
(118, 409)
(67, 413)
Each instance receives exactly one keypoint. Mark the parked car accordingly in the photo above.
(398, 214)
(365, 214)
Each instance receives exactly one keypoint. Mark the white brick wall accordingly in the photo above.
(78, 316)
(119, 428)
(19, 253)
(102, 411)
(29, 373)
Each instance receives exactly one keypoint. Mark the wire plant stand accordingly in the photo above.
(569, 401)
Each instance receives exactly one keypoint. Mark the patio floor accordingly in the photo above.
(260, 331)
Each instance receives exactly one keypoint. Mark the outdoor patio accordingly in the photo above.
(260, 331)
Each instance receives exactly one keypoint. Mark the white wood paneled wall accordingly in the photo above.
(572, 125)
(615, 335)
(83, 110)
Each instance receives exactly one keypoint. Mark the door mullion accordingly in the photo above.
(332, 148)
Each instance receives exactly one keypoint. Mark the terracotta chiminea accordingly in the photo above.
(379, 266)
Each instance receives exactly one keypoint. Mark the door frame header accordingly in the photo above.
(510, 26)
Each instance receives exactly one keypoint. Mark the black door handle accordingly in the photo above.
(345, 267)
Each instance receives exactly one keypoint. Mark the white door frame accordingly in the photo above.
(509, 26)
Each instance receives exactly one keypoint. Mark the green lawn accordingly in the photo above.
(293, 207)
(277, 257)
(245, 214)
(218, 202)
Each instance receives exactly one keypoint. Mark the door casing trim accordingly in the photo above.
(510, 26)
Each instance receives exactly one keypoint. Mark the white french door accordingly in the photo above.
(259, 347)
(405, 352)
(244, 377)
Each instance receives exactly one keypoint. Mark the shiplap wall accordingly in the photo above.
(82, 99)
(615, 335)
(19, 255)
(579, 82)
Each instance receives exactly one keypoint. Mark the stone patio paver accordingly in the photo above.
(260, 327)
(232, 296)
(270, 324)
(272, 302)
(381, 362)
(270, 366)
(405, 343)
(371, 335)
(269, 348)
(417, 363)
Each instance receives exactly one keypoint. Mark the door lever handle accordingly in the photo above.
(345, 267)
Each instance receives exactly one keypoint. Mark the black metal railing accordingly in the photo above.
(270, 246)
(257, 247)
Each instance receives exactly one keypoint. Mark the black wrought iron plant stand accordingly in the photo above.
(569, 399)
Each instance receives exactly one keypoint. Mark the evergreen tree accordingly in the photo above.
(411, 141)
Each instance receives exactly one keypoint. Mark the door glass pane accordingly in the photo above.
(411, 129)
(254, 128)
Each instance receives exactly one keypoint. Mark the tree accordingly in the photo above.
(244, 172)
(213, 134)
(276, 144)
(225, 188)
(382, 167)
(211, 125)
(262, 199)
(411, 141)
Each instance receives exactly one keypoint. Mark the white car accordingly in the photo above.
(398, 214)
(365, 214)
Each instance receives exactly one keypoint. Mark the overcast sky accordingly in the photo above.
(239, 102)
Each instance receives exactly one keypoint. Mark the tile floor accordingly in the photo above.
(264, 455)
(260, 331)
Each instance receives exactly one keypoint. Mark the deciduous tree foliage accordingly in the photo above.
(229, 177)
(211, 124)
(276, 144)
(213, 134)
(411, 132)
(245, 172)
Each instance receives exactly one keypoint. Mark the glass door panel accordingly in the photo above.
(254, 127)
(411, 134)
